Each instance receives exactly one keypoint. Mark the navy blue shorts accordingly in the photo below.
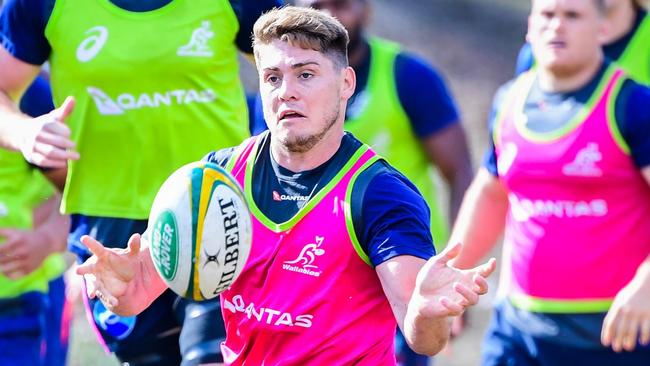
(507, 344)
(22, 329)
(171, 331)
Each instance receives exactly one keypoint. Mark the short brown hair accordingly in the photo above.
(306, 28)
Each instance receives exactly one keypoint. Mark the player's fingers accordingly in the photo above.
(450, 253)
(453, 308)
(64, 109)
(487, 268)
(619, 332)
(94, 246)
(644, 338)
(609, 327)
(13, 270)
(469, 297)
(134, 244)
(631, 334)
(89, 281)
(52, 136)
(105, 296)
(480, 284)
(53, 154)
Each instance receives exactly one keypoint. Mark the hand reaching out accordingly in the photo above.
(442, 290)
(110, 272)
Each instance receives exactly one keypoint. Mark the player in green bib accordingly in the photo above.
(155, 85)
(32, 235)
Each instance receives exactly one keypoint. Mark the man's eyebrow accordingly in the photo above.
(294, 66)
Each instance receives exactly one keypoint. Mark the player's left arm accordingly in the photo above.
(424, 295)
(628, 319)
(436, 122)
(422, 290)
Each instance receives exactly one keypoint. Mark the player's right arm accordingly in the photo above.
(45, 140)
(125, 280)
(481, 219)
(482, 214)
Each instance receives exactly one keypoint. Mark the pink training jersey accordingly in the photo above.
(578, 225)
(305, 296)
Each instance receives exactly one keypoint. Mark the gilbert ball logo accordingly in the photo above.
(165, 245)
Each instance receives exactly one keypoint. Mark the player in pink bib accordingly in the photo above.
(568, 177)
(341, 253)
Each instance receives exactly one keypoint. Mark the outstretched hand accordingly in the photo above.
(442, 290)
(110, 271)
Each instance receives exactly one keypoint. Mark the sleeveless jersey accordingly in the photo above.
(154, 90)
(635, 59)
(578, 223)
(21, 190)
(307, 295)
(383, 124)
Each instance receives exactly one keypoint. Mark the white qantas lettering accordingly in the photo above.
(267, 315)
(524, 209)
(126, 101)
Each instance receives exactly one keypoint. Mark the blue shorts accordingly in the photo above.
(510, 341)
(57, 324)
(22, 329)
(171, 331)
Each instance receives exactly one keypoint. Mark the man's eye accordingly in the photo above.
(306, 75)
(272, 79)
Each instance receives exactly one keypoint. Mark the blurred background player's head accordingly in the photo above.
(353, 14)
(567, 35)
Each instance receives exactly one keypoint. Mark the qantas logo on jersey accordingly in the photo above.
(584, 164)
(304, 263)
(198, 44)
(92, 44)
(283, 197)
(267, 315)
(126, 101)
(523, 209)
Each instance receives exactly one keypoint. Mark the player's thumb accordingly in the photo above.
(64, 109)
(451, 252)
(134, 244)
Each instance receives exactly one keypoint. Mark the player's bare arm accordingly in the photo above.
(45, 140)
(485, 201)
(425, 294)
(628, 320)
(125, 280)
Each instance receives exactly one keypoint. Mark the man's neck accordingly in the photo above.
(307, 160)
(550, 81)
(620, 20)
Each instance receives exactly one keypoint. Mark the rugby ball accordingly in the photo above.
(200, 231)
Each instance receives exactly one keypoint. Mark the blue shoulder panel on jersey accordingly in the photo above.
(22, 29)
(633, 119)
(385, 226)
(424, 95)
(37, 100)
